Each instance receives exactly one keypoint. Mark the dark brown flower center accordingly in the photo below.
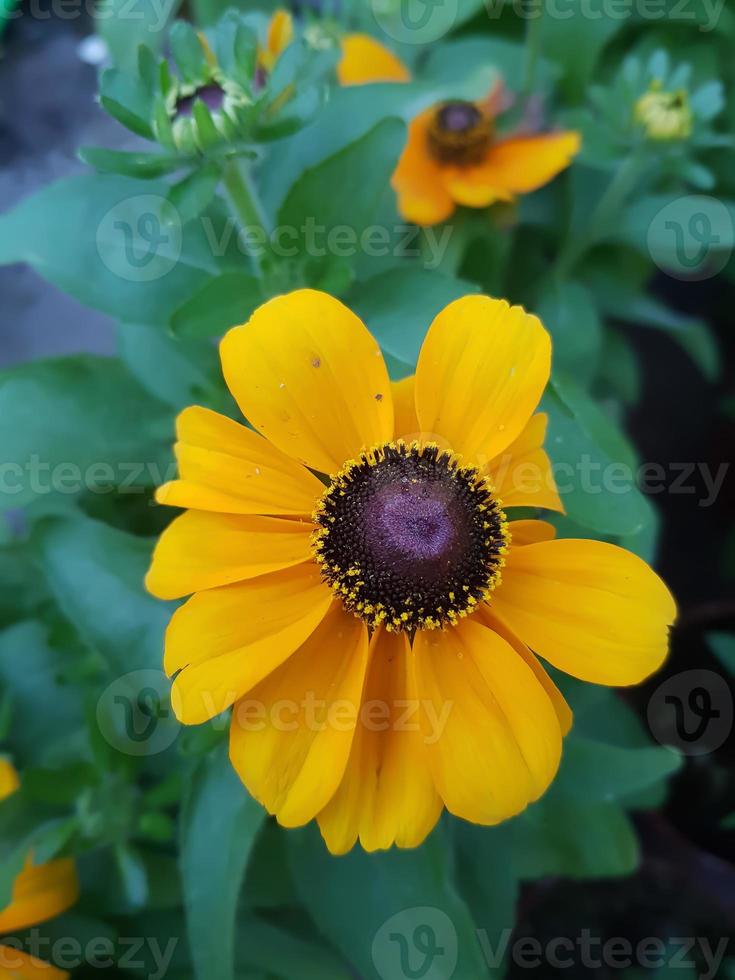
(459, 133)
(409, 538)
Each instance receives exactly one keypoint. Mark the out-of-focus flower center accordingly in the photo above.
(665, 115)
(408, 537)
(459, 133)
(212, 95)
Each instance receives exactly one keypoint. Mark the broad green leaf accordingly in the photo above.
(270, 948)
(96, 574)
(220, 304)
(593, 770)
(380, 910)
(398, 306)
(594, 465)
(219, 825)
(131, 164)
(194, 193)
(569, 313)
(575, 838)
(56, 733)
(76, 424)
(471, 65)
(175, 370)
(128, 100)
(125, 27)
(575, 40)
(323, 201)
(118, 245)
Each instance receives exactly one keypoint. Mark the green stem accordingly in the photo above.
(533, 47)
(244, 199)
(612, 200)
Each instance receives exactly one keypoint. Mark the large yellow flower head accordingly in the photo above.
(453, 156)
(362, 595)
(40, 892)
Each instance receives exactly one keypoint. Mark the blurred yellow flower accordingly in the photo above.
(360, 595)
(364, 59)
(40, 892)
(453, 156)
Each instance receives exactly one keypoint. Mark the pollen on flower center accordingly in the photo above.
(408, 537)
(459, 133)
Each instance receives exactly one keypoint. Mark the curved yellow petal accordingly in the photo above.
(280, 35)
(17, 965)
(498, 744)
(40, 892)
(562, 709)
(481, 372)
(387, 794)
(473, 187)
(9, 781)
(228, 468)
(290, 739)
(530, 532)
(406, 421)
(200, 551)
(226, 640)
(309, 376)
(592, 609)
(364, 59)
(521, 164)
(522, 474)
(417, 180)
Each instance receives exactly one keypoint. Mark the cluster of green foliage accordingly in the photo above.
(168, 843)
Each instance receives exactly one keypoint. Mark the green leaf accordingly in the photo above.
(141, 165)
(187, 51)
(593, 770)
(55, 734)
(398, 306)
(576, 40)
(723, 647)
(376, 908)
(96, 574)
(594, 464)
(324, 197)
(125, 28)
(220, 304)
(77, 424)
(174, 369)
(117, 245)
(569, 313)
(219, 824)
(128, 100)
(574, 838)
(263, 945)
(193, 195)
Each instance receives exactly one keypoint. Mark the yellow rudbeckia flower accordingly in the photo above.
(452, 156)
(364, 59)
(360, 595)
(40, 892)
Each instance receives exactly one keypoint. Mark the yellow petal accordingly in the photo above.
(387, 794)
(17, 965)
(227, 468)
(200, 551)
(524, 163)
(592, 609)
(9, 781)
(309, 376)
(364, 60)
(499, 741)
(40, 892)
(418, 181)
(522, 474)
(406, 421)
(473, 187)
(529, 532)
(290, 739)
(481, 372)
(280, 35)
(224, 641)
(562, 709)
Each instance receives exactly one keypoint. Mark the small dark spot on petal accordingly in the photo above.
(317, 362)
(378, 397)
